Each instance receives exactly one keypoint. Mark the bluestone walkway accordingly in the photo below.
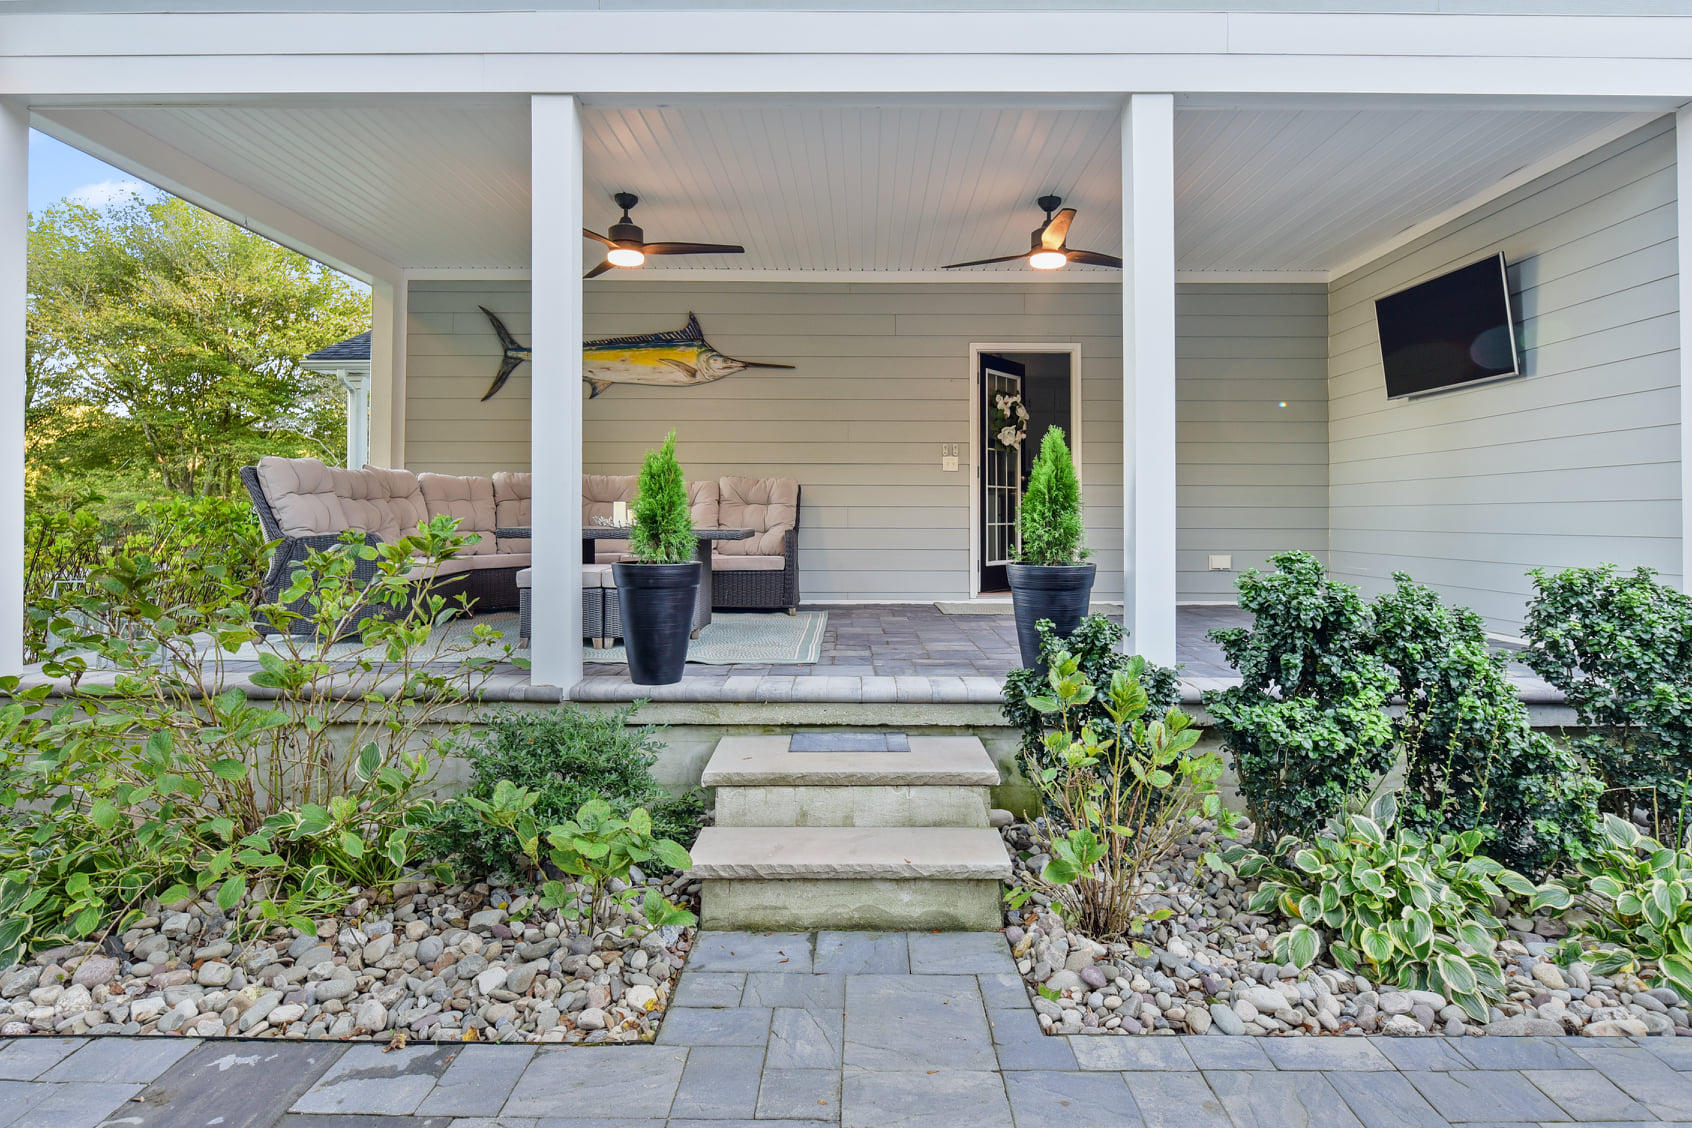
(859, 1029)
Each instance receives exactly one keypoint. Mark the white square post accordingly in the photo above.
(1148, 375)
(1683, 208)
(388, 314)
(14, 269)
(555, 442)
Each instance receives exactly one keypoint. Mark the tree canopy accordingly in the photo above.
(164, 351)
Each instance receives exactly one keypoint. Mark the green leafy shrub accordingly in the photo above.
(1472, 761)
(1619, 646)
(1051, 508)
(563, 757)
(1122, 795)
(1637, 908)
(1307, 726)
(1395, 907)
(157, 778)
(663, 521)
(1096, 647)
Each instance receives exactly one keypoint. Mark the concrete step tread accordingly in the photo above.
(842, 852)
(765, 761)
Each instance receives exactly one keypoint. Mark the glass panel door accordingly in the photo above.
(1001, 380)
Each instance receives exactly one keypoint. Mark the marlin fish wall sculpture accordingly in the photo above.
(677, 358)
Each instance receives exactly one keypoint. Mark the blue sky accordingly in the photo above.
(56, 170)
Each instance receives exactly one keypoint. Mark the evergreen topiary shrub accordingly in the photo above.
(1051, 508)
(663, 520)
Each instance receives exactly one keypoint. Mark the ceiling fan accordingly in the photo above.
(1047, 247)
(626, 248)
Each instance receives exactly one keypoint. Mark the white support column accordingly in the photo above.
(1148, 375)
(14, 269)
(387, 371)
(555, 249)
(1683, 182)
(357, 387)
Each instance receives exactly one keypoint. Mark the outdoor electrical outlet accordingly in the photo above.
(949, 457)
(1221, 562)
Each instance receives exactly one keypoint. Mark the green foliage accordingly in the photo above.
(164, 351)
(1096, 647)
(1637, 909)
(560, 758)
(1307, 725)
(155, 779)
(1472, 761)
(1051, 507)
(1619, 646)
(663, 520)
(1396, 907)
(1122, 795)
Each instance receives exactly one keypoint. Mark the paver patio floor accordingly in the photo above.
(858, 1029)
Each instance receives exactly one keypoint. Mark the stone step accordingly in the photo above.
(850, 805)
(850, 759)
(850, 877)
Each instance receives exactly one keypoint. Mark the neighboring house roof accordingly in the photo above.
(353, 348)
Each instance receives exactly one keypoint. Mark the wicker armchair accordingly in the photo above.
(736, 590)
(291, 552)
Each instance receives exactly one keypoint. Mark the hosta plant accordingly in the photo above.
(1120, 796)
(1638, 912)
(1393, 906)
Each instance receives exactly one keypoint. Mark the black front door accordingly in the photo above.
(1000, 467)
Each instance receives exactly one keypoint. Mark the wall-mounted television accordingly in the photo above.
(1448, 332)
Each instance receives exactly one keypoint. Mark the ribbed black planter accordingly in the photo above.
(657, 602)
(1059, 592)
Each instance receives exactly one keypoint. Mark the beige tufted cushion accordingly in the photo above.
(703, 499)
(513, 506)
(599, 491)
(468, 499)
(767, 506)
(381, 501)
(310, 498)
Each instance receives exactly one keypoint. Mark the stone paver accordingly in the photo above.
(796, 1030)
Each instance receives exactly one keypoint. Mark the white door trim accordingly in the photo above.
(972, 583)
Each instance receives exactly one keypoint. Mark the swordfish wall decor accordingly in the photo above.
(676, 358)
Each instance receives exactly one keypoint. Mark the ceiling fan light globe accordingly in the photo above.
(1047, 260)
(624, 256)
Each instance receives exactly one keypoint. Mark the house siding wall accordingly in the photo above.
(1574, 463)
(882, 379)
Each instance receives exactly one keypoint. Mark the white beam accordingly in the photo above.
(1683, 208)
(387, 371)
(1148, 375)
(555, 411)
(14, 270)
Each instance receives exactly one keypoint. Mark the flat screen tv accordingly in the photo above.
(1448, 332)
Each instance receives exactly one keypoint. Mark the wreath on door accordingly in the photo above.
(1009, 424)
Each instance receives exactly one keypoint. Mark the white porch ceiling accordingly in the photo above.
(826, 188)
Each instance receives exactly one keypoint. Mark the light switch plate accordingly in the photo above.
(1221, 562)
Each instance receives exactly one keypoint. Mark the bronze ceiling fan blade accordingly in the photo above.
(1056, 231)
(694, 249)
(984, 262)
(598, 270)
(1094, 258)
(597, 237)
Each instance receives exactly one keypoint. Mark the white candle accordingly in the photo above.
(620, 514)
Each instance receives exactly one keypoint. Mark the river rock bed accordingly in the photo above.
(1210, 969)
(431, 962)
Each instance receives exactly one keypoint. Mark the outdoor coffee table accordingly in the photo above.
(702, 607)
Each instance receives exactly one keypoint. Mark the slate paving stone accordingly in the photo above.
(1587, 1094)
(693, 1026)
(949, 1098)
(1520, 1053)
(1020, 1043)
(76, 1105)
(1422, 1054)
(518, 1122)
(361, 1120)
(690, 1123)
(862, 953)
(1675, 1052)
(1041, 1098)
(1484, 1094)
(960, 953)
(1666, 1092)
(1176, 1100)
(24, 1059)
(1325, 1053)
(1385, 1100)
(477, 1082)
(1118, 1052)
(1259, 1099)
(1226, 1053)
(708, 989)
(366, 1079)
(806, 1039)
(16, 1097)
(751, 951)
(1003, 991)
(636, 1081)
(779, 989)
(800, 1094)
(237, 1084)
(719, 1083)
(900, 1022)
(133, 1061)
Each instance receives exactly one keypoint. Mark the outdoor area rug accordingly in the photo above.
(735, 639)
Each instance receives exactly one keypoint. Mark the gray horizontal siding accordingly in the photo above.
(1574, 463)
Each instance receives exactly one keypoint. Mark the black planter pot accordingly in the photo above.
(657, 602)
(1059, 592)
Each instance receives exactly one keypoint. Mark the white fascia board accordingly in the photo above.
(108, 137)
(350, 367)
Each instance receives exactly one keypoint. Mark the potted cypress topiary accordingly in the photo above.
(1050, 579)
(658, 587)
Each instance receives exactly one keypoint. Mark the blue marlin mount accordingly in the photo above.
(677, 358)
